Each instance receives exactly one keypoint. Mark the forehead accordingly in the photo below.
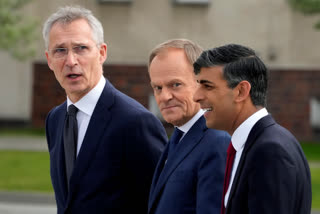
(77, 31)
(169, 65)
(212, 74)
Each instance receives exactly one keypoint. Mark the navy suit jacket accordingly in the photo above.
(273, 175)
(115, 165)
(192, 180)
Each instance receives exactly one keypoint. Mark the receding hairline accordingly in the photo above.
(68, 14)
(65, 23)
(191, 49)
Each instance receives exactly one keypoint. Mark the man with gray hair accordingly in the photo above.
(189, 176)
(103, 145)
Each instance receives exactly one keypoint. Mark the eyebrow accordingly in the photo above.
(62, 45)
(169, 82)
(204, 82)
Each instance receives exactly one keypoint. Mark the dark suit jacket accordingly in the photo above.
(192, 181)
(273, 175)
(115, 165)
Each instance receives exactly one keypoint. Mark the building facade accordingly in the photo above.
(285, 40)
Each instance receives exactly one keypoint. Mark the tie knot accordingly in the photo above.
(177, 134)
(72, 110)
(231, 150)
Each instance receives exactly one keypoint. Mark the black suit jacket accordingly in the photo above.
(115, 165)
(191, 181)
(273, 175)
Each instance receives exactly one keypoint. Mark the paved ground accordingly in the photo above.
(27, 203)
(16, 208)
(32, 203)
(24, 143)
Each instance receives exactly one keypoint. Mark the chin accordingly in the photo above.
(169, 118)
(171, 121)
(209, 125)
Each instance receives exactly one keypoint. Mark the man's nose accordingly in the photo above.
(197, 96)
(71, 59)
(166, 94)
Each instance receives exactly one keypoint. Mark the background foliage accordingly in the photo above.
(17, 31)
(308, 7)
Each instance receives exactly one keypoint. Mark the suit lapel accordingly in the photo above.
(186, 145)
(254, 133)
(158, 170)
(100, 119)
(59, 150)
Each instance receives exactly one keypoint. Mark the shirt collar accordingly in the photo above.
(185, 127)
(87, 103)
(241, 134)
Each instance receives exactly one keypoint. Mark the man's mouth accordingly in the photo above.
(168, 107)
(73, 76)
(207, 109)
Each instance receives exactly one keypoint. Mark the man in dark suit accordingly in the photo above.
(104, 146)
(266, 171)
(189, 175)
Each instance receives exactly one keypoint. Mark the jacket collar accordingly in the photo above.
(185, 147)
(256, 130)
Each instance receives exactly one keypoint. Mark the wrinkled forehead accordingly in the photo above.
(210, 73)
(68, 23)
(75, 32)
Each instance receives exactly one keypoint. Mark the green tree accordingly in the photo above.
(308, 7)
(17, 31)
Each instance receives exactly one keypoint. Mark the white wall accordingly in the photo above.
(283, 38)
(15, 88)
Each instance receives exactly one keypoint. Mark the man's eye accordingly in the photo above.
(176, 84)
(59, 50)
(207, 86)
(157, 88)
(80, 48)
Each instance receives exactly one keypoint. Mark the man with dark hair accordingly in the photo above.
(266, 170)
(189, 176)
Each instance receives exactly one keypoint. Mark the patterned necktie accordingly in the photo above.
(174, 140)
(230, 158)
(70, 137)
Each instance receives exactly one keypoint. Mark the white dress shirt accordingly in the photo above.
(187, 126)
(86, 107)
(239, 139)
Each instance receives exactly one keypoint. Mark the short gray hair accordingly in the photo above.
(66, 15)
(192, 50)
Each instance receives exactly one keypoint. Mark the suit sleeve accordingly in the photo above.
(48, 128)
(211, 175)
(146, 138)
(271, 180)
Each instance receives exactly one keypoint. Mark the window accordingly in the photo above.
(315, 117)
(191, 2)
(153, 107)
(114, 1)
(315, 113)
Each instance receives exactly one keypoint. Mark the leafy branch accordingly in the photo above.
(17, 32)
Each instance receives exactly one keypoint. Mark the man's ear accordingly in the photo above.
(242, 91)
(103, 53)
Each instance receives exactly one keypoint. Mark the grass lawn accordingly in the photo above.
(315, 180)
(29, 171)
(25, 171)
(312, 151)
(22, 132)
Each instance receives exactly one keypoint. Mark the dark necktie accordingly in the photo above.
(230, 158)
(174, 140)
(70, 137)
